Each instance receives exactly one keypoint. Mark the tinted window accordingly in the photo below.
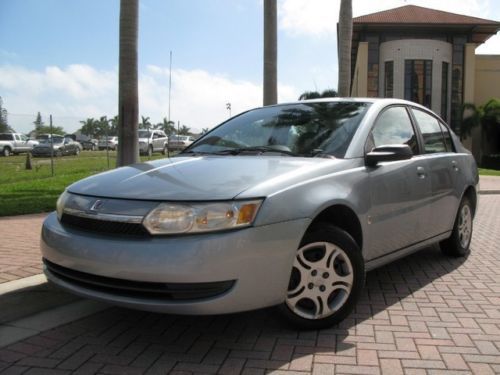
(393, 127)
(431, 131)
(447, 138)
(6, 137)
(304, 129)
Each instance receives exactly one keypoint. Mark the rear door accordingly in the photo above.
(442, 164)
(399, 190)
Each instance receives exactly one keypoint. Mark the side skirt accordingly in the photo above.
(388, 258)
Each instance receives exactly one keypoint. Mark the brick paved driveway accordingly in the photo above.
(20, 246)
(426, 314)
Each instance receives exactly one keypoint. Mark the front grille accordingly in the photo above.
(140, 289)
(103, 226)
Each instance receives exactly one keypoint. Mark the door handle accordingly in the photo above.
(454, 166)
(421, 172)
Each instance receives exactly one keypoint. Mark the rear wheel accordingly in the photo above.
(6, 152)
(326, 280)
(457, 245)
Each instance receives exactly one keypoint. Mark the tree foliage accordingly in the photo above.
(38, 122)
(487, 116)
(45, 129)
(4, 125)
(184, 130)
(328, 93)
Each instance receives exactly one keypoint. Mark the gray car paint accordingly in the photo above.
(395, 203)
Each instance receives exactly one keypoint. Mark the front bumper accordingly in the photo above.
(258, 259)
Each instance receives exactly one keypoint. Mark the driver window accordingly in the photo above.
(393, 127)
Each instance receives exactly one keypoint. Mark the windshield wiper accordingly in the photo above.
(258, 149)
(193, 153)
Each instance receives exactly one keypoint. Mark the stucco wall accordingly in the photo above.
(487, 78)
(360, 80)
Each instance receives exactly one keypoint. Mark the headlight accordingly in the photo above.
(174, 218)
(61, 202)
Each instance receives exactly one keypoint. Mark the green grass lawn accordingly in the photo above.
(30, 191)
(488, 172)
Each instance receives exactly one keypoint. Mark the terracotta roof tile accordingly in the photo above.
(412, 14)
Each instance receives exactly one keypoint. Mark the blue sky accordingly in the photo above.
(60, 57)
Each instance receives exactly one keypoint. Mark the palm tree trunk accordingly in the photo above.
(128, 102)
(345, 41)
(270, 53)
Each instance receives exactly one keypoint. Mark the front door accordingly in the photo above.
(399, 190)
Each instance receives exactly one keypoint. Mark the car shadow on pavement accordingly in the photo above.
(260, 339)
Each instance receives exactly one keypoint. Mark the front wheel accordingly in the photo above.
(327, 278)
(457, 245)
(77, 151)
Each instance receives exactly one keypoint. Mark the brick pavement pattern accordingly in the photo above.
(20, 246)
(425, 314)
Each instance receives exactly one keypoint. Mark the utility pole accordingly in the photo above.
(169, 85)
(51, 148)
(270, 83)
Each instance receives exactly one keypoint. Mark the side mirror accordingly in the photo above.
(388, 153)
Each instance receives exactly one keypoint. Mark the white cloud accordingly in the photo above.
(76, 92)
(317, 18)
(491, 47)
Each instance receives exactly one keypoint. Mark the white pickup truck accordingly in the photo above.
(15, 143)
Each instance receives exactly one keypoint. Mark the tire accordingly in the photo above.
(165, 150)
(6, 152)
(150, 151)
(328, 270)
(58, 153)
(77, 151)
(457, 245)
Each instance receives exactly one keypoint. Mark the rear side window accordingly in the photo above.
(447, 138)
(393, 127)
(431, 132)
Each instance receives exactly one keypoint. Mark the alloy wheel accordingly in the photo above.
(465, 226)
(321, 282)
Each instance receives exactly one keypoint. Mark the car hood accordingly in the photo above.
(206, 177)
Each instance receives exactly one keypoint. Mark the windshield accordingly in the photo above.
(304, 129)
(54, 140)
(144, 134)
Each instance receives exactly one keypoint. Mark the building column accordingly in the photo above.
(360, 81)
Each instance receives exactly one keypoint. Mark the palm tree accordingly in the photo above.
(486, 116)
(184, 130)
(270, 53)
(328, 93)
(145, 123)
(345, 41)
(89, 127)
(167, 126)
(128, 101)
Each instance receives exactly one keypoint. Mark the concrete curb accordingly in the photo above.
(11, 286)
(489, 192)
(12, 332)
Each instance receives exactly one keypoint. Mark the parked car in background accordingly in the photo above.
(15, 143)
(284, 205)
(110, 142)
(179, 142)
(152, 141)
(60, 145)
(90, 144)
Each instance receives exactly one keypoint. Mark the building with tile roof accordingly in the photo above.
(426, 56)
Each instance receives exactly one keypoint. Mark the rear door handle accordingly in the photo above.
(421, 172)
(454, 166)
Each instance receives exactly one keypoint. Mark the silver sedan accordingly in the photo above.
(285, 205)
